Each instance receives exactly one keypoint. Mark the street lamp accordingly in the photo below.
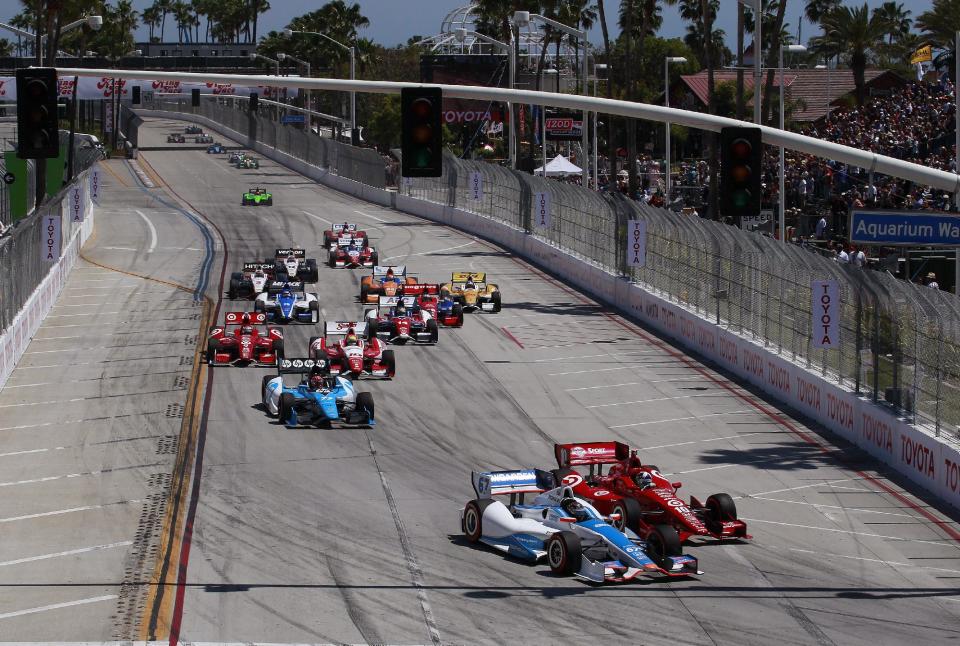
(522, 19)
(597, 68)
(282, 57)
(757, 7)
(781, 199)
(93, 22)
(254, 56)
(353, 72)
(666, 100)
(461, 35)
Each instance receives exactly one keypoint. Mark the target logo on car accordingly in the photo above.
(572, 480)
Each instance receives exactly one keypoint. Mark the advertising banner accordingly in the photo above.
(50, 239)
(825, 313)
(76, 204)
(637, 243)
(95, 184)
(476, 185)
(564, 128)
(541, 206)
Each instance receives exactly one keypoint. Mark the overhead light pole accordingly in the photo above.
(781, 197)
(522, 19)
(666, 102)
(93, 22)
(353, 74)
(282, 57)
(461, 36)
(597, 68)
(757, 7)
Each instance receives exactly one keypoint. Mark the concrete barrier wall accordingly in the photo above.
(924, 459)
(16, 338)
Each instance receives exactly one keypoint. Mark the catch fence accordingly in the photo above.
(899, 342)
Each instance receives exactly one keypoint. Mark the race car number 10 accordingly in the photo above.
(636, 243)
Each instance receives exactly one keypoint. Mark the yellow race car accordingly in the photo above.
(472, 291)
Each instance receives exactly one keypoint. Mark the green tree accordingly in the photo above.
(853, 33)
(895, 19)
(383, 125)
(940, 23)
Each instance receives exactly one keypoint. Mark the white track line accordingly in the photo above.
(712, 439)
(912, 566)
(317, 217)
(817, 505)
(683, 419)
(153, 231)
(823, 483)
(851, 532)
(657, 399)
(57, 606)
(370, 216)
(60, 512)
(582, 356)
(28, 451)
(582, 372)
(427, 253)
(629, 383)
(54, 555)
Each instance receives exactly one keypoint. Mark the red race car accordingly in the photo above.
(398, 319)
(244, 339)
(637, 496)
(445, 310)
(331, 235)
(352, 252)
(350, 353)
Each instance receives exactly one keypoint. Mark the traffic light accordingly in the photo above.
(254, 102)
(195, 97)
(740, 157)
(422, 133)
(37, 135)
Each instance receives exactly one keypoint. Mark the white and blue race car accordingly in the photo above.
(286, 302)
(569, 532)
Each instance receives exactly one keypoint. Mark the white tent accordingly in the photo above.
(559, 166)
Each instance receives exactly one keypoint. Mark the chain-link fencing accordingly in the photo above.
(899, 342)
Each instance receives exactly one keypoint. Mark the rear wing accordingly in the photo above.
(381, 271)
(500, 483)
(300, 254)
(340, 328)
(391, 301)
(420, 289)
(344, 227)
(464, 276)
(299, 366)
(257, 266)
(236, 318)
(584, 453)
(346, 241)
(278, 286)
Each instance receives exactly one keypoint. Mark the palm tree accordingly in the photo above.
(258, 7)
(151, 18)
(940, 24)
(182, 14)
(853, 32)
(895, 18)
(815, 10)
(580, 14)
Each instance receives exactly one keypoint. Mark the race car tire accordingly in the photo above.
(312, 274)
(663, 541)
(630, 514)
(389, 360)
(472, 523)
(278, 348)
(332, 260)
(365, 402)
(212, 346)
(496, 302)
(284, 407)
(234, 291)
(263, 389)
(364, 290)
(372, 328)
(560, 474)
(314, 312)
(564, 553)
(269, 201)
(458, 314)
(721, 507)
(375, 259)
(434, 330)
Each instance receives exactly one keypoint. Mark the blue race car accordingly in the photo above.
(570, 532)
(216, 149)
(318, 400)
(287, 302)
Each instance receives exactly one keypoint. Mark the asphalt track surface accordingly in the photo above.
(352, 536)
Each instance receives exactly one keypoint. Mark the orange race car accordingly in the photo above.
(384, 281)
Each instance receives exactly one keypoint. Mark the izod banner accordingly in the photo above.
(826, 313)
(564, 128)
(541, 210)
(636, 243)
(50, 238)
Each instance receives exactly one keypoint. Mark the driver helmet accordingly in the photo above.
(390, 273)
(285, 293)
(400, 309)
(351, 338)
(572, 507)
(245, 326)
(316, 382)
(470, 284)
(415, 308)
(246, 329)
(643, 480)
(291, 258)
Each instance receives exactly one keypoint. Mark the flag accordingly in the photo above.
(922, 55)
(522, 121)
(535, 115)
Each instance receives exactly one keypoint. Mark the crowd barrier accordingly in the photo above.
(927, 461)
(63, 224)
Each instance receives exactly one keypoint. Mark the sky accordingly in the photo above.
(392, 22)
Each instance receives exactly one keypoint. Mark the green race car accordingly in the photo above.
(257, 197)
(248, 162)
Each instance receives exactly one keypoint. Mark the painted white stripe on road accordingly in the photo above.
(54, 401)
(912, 566)
(427, 253)
(26, 452)
(54, 555)
(683, 419)
(582, 356)
(370, 216)
(57, 606)
(120, 249)
(712, 439)
(826, 483)
(64, 316)
(629, 383)
(657, 399)
(817, 505)
(60, 512)
(317, 217)
(851, 532)
(582, 372)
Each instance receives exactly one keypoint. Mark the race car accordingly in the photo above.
(642, 499)
(350, 353)
(286, 302)
(175, 138)
(471, 290)
(398, 319)
(331, 235)
(384, 281)
(193, 130)
(318, 400)
(351, 252)
(236, 156)
(203, 139)
(250, 281)
(445, 310)
(248, 162)
(293, 264)
(257, 197)
(216, 149)
(243, 339)
(576, 539)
